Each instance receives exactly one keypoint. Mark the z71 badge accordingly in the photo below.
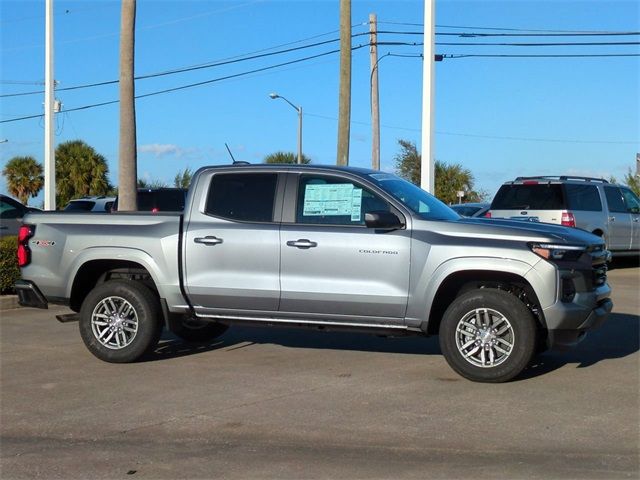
(44, 243)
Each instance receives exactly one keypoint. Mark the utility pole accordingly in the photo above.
(128, 171)
(375, 105)
(49, 99)
(344, 110)
(428, 98)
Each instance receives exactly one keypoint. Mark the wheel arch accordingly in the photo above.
(452, 281)
(96, 271)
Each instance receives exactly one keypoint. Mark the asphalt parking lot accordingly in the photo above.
(263, 403)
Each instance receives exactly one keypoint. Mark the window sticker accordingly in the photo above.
(336, 199)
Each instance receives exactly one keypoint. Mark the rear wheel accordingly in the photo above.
(488, 335)
(119, 321)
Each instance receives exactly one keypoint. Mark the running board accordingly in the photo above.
(309, 323)
(68, 317)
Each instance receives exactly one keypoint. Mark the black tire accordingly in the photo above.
(109, 314)
(197, 331)
(501, 320)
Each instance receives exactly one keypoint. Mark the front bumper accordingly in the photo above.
(29, 295)
(569, 324)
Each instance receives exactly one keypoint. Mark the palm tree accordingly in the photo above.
(183, 178)
(128, 168)
(24, 177)
(449, 179)
(285, 157)
(80, 171)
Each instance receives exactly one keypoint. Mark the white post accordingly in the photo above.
(299, 135)
(428, 98)
(49, 98)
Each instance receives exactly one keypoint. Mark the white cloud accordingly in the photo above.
(162, 149)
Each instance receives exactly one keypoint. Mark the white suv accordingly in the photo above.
(592, 204)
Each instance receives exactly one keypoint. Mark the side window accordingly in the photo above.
(614, 199)
(334, 201)
(8, 211)
(584, 197)
(631, 200)
(248, 197)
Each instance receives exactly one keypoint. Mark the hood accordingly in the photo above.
(512, 230)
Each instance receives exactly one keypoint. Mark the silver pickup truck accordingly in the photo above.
(322, 247)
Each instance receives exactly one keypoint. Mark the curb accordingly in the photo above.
(8, 302)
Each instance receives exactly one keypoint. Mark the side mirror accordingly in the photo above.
(382, 220)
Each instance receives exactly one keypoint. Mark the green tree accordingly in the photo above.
(152, 183)
(183, 178)
(80, 171)
(449, 179)
(408, 162)
(24, 177)
(285, 157)
(633, 182)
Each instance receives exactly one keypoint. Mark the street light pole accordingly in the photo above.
(299, 110)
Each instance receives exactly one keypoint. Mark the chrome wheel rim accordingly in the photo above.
(485, 338)
(114, 323)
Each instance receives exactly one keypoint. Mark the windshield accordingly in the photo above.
(417, 200)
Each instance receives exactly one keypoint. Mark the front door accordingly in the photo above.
(232, 245)
(332, 264)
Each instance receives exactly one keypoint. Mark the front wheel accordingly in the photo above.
(119, 321)
(488, 335)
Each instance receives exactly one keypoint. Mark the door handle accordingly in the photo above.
(302, 243)
(208, 240)
(612, 219)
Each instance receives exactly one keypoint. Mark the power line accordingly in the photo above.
(577, 55)
(474, 27)
(491, 137)
(530, 44)
(238, 59)
(191, 85)
(478, 34)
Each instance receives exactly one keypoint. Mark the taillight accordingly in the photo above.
(155, 210)
(487, 215)
(567, 219)
(24, 252)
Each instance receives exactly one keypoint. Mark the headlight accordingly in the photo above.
(557, 252)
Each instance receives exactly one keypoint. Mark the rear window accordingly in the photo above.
(161, 200)
(529, 197)
(583, 197)
(80, 206)
(247, 197)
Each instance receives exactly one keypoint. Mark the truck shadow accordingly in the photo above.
(619, 337)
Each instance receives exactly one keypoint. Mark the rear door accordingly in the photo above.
(620, 219)
(232, 243)
(632, 203)
(332, 264)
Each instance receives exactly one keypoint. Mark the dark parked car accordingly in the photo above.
(159, 200)
(471, 209)
(11, 213)
(91, 204)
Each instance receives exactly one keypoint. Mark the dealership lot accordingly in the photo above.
(300, 404)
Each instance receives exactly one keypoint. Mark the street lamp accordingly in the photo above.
(299, 110)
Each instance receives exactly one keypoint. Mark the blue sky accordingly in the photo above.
(498, 117)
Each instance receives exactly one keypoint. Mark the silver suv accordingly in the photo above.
(592, 204)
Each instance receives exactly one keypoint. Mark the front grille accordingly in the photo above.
(599, 257)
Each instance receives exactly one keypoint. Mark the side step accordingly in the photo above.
(68, 317)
